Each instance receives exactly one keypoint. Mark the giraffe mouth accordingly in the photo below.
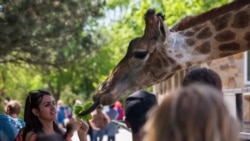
(91, 109)
(100, 98)
(105, 98)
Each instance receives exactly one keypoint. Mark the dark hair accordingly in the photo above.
(136, 107)
(205, 76)
(32, 122)
(112, 106)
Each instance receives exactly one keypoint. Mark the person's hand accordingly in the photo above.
(82, 129)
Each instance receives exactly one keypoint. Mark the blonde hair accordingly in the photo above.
(194, 113)
(60, 102)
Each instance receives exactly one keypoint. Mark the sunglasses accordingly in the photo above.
(38, 94)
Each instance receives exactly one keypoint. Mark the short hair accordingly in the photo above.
(136, 107)
(205, 76)
(13, 107)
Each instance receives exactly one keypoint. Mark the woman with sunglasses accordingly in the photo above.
(40, 116)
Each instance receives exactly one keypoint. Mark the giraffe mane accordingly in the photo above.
(194, 20)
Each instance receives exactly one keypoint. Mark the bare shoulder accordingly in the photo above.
(30, 136)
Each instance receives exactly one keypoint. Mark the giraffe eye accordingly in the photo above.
(140, 54)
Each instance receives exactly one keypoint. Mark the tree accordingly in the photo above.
(44, 39)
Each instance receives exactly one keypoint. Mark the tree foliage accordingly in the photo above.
(40, 31)
(41, 43)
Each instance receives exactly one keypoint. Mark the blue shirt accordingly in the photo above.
(9, 127)
(60, 114)
(111, 128)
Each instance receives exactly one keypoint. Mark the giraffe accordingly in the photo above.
(160, 52)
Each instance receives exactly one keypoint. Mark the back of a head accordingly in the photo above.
(196, 112)
(136, 107)
(205, 76)
(13, 107)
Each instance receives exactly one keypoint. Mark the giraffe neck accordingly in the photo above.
(222, 36)
(190, 21)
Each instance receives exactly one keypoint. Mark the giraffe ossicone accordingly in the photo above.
(159, 53)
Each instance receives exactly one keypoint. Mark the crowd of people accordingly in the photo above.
(44, 118)
(194, 112)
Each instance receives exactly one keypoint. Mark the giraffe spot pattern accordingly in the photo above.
(171, 61)
(241, 20)
(225, 54)
(204, 48)
(165, 62)
(229, 46)
(204, 33)
(181, 32)
(189, 33)
(159, 76)
(221, 22)
(225, 36)
(199, 62)
(190, 42)
(177, 67)
(197, 27)
(158, 63)
(179, 55)
(168, 61)
(188, 64)
(163, 59)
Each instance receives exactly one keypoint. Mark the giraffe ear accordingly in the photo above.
(155, 27)
(162, 28)
(152, 28)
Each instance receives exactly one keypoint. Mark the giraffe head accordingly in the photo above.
(141, 67)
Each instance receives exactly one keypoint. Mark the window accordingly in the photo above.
(247, 67)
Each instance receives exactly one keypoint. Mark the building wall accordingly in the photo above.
(230, 69)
